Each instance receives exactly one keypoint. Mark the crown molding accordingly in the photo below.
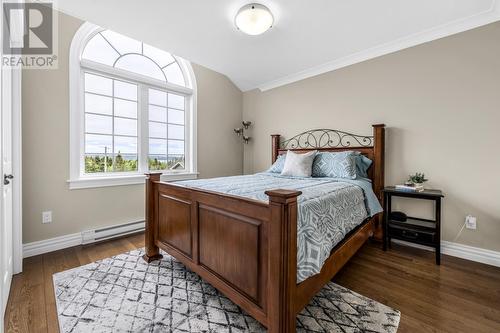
(448, 29)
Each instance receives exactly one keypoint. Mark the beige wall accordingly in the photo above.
(46, 149)
(441, 103)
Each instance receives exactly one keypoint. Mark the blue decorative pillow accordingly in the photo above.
(335, 165)
(277, 166)
(363, 163)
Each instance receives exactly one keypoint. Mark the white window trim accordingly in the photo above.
(76, 117)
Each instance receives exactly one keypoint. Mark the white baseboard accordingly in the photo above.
(471, 253)
(79, 238)
(51, 244)
(463, 251)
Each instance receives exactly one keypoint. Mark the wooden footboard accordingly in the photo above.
(244, 248)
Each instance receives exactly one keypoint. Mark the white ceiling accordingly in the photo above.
(309, 37)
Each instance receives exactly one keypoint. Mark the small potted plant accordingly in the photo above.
(417, 179)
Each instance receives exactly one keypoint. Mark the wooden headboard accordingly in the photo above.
(372, 146)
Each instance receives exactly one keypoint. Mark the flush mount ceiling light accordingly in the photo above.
(254, 19)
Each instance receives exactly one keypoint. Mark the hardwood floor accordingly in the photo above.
(31, 306)
(458, 296)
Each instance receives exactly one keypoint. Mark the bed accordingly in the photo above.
(252, 238)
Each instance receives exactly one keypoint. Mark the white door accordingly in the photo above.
(10, 188)
(6, 181)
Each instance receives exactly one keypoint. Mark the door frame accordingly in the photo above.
(17, 211)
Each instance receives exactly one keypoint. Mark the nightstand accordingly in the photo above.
(414, 230)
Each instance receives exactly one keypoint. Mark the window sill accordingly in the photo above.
(94, 182)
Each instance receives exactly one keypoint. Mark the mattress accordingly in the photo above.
(328, 209)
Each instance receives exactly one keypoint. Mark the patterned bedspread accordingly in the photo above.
(328, 210)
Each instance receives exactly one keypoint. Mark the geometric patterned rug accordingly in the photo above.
(125, 294)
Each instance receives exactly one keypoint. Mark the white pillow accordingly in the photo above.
(298, 165)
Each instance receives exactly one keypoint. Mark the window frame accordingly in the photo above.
(78, 67)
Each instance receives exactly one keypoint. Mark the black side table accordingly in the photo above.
(415, 230)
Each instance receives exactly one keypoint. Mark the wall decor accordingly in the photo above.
(240, 131)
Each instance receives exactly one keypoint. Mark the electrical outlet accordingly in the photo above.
(470, 222)
(47, 217)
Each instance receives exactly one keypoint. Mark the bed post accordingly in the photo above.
(152, 251)
(275, 139)
(378, 172)
(282, 281)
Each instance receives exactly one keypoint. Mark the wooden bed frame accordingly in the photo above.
(247, 249)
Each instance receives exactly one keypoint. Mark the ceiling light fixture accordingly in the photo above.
(254, 19)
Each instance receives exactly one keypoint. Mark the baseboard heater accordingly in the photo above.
(96, 235)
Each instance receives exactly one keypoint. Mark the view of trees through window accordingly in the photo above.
(96, 163)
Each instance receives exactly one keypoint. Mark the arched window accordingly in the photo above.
(132, 110)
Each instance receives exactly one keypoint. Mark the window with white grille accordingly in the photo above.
(132, 110)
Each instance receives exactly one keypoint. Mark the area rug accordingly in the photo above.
(125, 294)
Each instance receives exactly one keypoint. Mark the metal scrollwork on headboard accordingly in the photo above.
(326, 138)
